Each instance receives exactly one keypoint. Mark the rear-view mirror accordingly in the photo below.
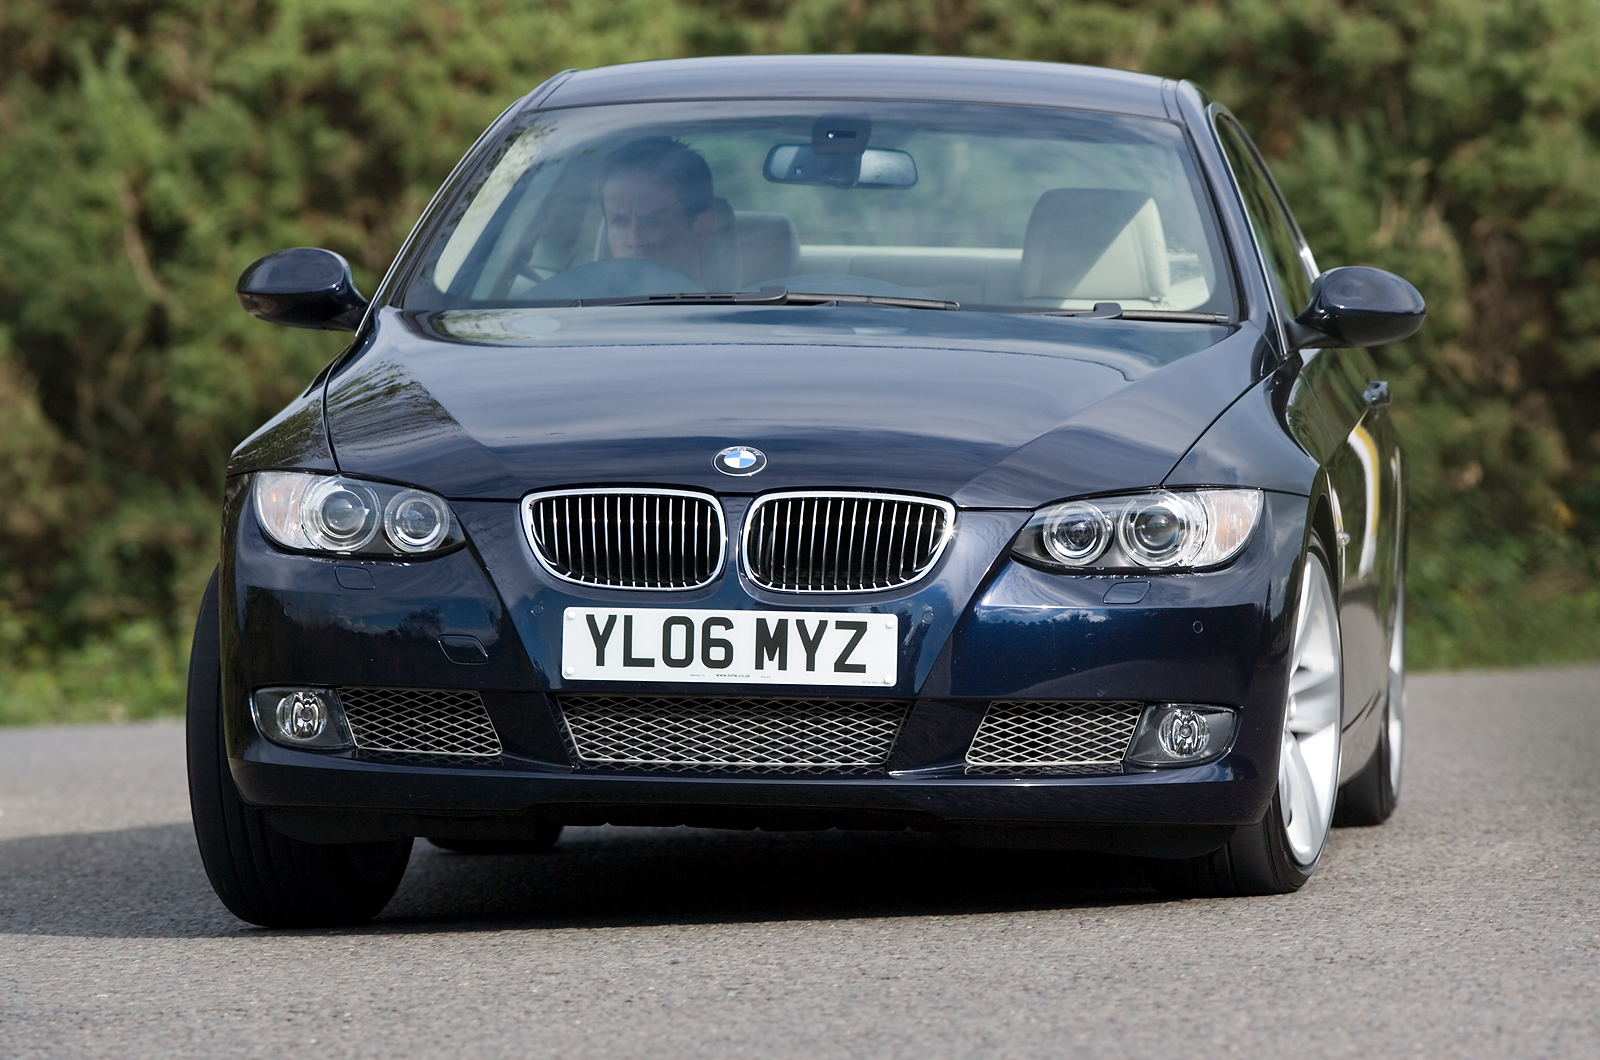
(876, 167)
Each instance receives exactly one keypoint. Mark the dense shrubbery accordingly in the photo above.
(150, 150)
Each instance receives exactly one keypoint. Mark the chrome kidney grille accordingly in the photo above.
(1053, 737)
(843, 542)
(716, 734)
(627, 539)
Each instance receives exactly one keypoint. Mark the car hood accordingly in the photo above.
(985, 409)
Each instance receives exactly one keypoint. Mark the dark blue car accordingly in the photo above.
(809, 442)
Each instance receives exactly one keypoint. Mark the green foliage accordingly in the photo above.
(135, 672)
(150, 149)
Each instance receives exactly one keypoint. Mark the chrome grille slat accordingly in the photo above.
(840, 542)
(419, 721)
(1053, 736)
(655, 524)
(811, 541)
(570, 522)
(877, 537)
(627, 538)
(903, 525)
(608, 522)
(732, 733)
(850, 535)
(637, 552)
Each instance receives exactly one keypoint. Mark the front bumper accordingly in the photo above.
(976, 629)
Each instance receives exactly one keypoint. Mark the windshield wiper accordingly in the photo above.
(1114, 311)
(771, 296)
(811, 298)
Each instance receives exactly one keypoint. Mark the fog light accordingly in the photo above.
(303, 715)
(1181, 734)
(1184, 733)
(302, 718)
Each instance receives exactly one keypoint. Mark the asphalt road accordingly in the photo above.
(1468, 926)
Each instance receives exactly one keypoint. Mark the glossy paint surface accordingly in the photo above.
(999, 414)
(867, 77)
(297, 437)
(845, 397)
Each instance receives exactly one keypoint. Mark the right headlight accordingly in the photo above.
(348, 516)
(1153, 530)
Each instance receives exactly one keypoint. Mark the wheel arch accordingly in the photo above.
(1324, 525)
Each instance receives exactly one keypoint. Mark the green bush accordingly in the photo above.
(150, 149)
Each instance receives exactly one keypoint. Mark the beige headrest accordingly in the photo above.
(719, 261)
(1095, 244)
(769, 246)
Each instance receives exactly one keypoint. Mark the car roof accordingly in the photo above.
(889, 77)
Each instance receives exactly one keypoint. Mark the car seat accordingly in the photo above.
(747, 248)
(720, 266)
(769, 246)
(1086, 245)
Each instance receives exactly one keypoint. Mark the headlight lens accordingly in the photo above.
(416, 521)
(333, 513)
(341, 515)
(1157, 531)
(1143, 531)
(1076, 533)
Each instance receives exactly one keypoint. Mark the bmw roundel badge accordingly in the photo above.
(740, 460)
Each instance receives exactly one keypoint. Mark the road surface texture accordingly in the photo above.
(1468, 926)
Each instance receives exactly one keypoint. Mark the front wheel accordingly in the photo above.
(1369, 798)
(1279, 853)
(260, 874)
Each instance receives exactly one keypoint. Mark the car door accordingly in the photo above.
(1341, 419)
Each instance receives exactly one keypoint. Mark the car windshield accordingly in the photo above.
(995, 208)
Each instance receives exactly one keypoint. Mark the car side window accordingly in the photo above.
(1275, 231)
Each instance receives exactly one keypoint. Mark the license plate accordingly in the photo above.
(708, 647)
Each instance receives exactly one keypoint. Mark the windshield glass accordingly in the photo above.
(997, 208)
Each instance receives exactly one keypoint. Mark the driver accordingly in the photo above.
(656, 195)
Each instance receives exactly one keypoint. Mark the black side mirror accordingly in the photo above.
(1358, 306)
(303, 288)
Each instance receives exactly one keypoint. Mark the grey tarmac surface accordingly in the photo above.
(1468, 926)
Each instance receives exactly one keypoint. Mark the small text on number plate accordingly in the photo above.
(709, 647)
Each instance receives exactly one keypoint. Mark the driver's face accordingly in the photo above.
(645, 219)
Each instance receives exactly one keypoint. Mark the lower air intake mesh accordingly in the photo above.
(732, 734)
(419, 721)
(1053, 737)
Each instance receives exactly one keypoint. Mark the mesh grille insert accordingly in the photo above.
(419, 721)
(843, 542)
(628, 539)
(1053, 737)
(732, 734)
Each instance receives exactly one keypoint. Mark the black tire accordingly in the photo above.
(1369, 798)
(544, 837)
(262, 875)
(1371, 795)
(1257, 859)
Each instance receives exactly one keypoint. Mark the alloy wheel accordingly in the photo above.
(1308, 767)
(1397, 690)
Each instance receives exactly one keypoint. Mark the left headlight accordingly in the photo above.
(1154, 530)
(348, 516)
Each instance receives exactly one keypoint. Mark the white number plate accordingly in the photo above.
(707, 647)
